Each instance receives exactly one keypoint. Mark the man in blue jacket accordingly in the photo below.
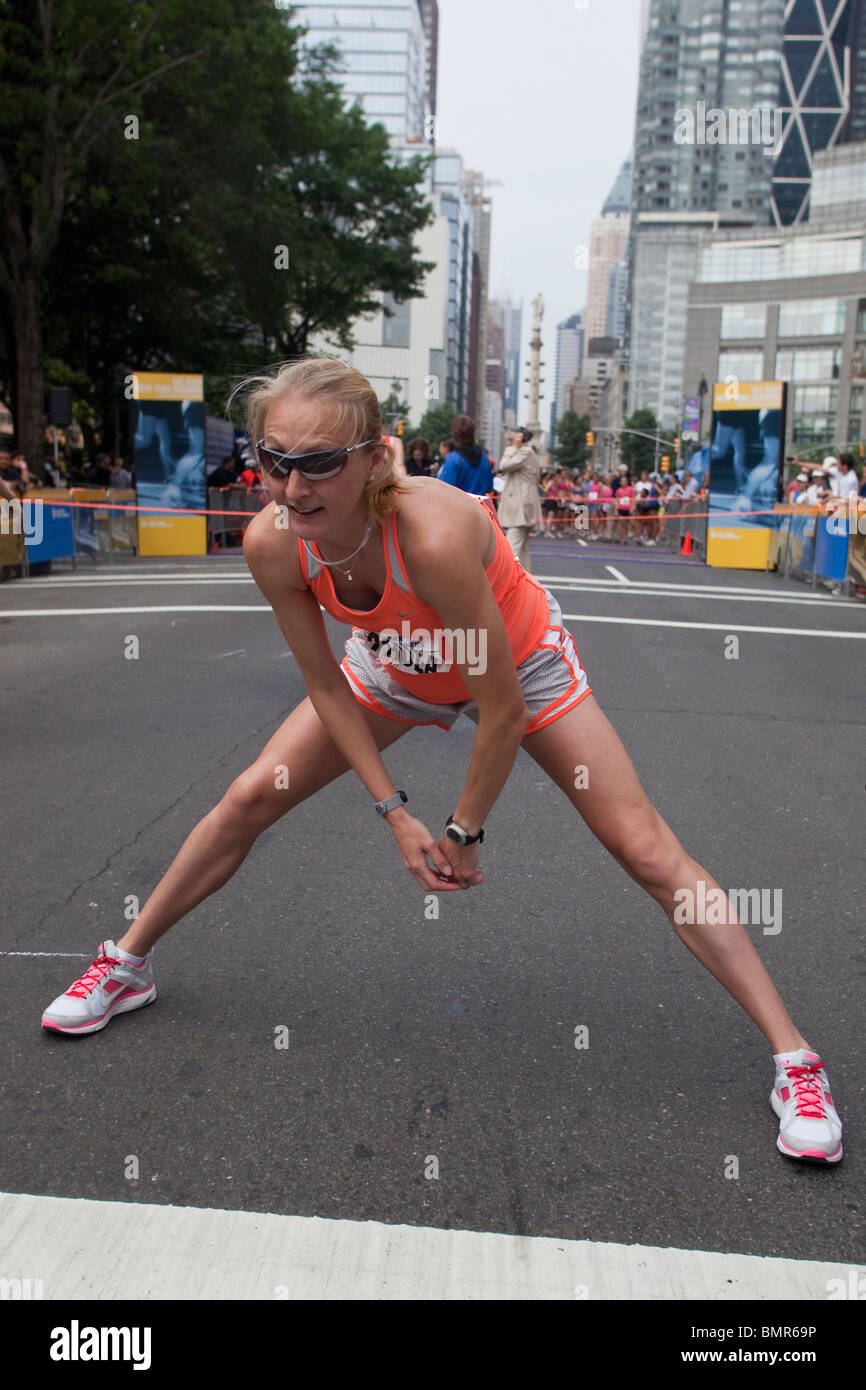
(467, 467)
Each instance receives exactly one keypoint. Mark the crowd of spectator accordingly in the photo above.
(618, 507)
(836, 477)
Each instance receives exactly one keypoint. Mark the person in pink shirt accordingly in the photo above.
(625, 505)
(608, 508)
(561, 490)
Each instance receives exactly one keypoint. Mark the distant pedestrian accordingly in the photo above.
(225, 475)
(419, 461)
(519, 509)
(10, 474)
(845, 479)
(118, 476)
(467, 466)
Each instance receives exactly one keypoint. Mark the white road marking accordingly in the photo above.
(569, 581)
(240, 652)
(617, 574)
(106, 612)
(110, 1251)
(73, 955)
(637, 590)
(581, 542)
(712, 627)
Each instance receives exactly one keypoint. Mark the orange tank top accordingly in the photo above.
(409, 636)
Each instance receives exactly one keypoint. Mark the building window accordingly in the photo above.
(746, 366)
(808, 364)
(811, 318)
(814, 429)
(813, 400)
(744, 321)
(395, 330)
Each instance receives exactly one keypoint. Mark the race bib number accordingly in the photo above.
(421, 657)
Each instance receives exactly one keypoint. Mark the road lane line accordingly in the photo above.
(618, 574)
(712, 627)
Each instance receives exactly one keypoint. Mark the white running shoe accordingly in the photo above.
(809, 1126)
(111, 986)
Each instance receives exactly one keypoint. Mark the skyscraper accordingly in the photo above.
(608, 247)
(431, 30)
(513, 319)
(384, 48)
(479, 203)
(389, 65)
(569, 361)
(814, 97)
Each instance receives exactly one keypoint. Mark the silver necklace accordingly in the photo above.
(337, 564)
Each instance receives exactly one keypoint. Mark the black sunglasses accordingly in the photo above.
(322, 463)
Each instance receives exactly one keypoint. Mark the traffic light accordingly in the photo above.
(401, 425)
(590, 439)
(862, 451)
(677, 445)
(666, 464)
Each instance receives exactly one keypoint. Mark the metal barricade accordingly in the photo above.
(122, 526)
(229, 506)
(684, 517)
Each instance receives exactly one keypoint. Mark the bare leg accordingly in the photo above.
(218, 845)
(618, 811)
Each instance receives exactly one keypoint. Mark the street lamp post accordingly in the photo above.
(702, 391)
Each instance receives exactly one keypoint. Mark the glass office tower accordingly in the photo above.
(384, 62)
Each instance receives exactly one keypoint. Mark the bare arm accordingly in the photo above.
(444, 560)
(299, 618)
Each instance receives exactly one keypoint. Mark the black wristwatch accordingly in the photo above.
(398, 799)
(462, 837)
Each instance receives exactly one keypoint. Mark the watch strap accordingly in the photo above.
(398, 799)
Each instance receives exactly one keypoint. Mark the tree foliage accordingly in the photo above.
(182, 190)
(571, 450)
(435, 424)
(636, 453)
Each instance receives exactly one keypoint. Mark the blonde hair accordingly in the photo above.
(349, 398)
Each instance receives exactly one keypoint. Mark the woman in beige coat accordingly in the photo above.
(519, 507)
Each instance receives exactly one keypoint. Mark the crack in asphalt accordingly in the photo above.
(149, 825)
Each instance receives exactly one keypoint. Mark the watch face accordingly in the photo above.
(454, 835)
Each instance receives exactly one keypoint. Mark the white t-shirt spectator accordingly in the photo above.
(845, 485)
(814, 494)
(675, 492)
(693, 487)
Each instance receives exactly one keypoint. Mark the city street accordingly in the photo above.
(430, 1076)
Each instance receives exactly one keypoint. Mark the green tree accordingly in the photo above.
(248, 213)
(435, 424)
(636, 453)
(570, 450)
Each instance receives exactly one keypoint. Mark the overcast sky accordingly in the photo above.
(540, 94)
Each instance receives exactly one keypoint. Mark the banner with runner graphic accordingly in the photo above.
(745, 470)
(170, 462)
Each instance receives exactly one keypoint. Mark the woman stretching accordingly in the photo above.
(444, 622)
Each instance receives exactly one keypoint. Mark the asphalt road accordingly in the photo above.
(453, 1039)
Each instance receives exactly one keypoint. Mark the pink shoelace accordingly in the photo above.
(807, 1089)
(91, 978)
